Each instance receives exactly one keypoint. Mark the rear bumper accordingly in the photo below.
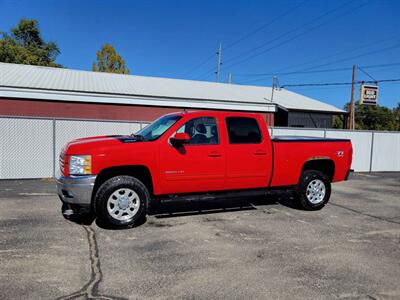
(349, 174)
(76, 190)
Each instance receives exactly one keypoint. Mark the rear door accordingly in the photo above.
(197, 166)
(248, 153)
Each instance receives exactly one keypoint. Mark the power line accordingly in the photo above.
(283, 35)
(308, 70)
(315, 84)
(292, 73)
(292, 38)
(353, 57)
(317, 71)
(205, 73)
(202, 62)
(246, 36)
(319, 88)
(366, 73)
(296, 36)
(340, 83)
(337, 54)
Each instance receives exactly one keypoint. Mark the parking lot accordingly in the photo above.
(247, 249)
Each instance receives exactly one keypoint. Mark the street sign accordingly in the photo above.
(368, 94)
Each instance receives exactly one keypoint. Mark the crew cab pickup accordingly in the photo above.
(189, 155)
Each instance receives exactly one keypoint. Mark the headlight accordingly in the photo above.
(80, 165)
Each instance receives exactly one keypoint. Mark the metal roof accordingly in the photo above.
(67, 85)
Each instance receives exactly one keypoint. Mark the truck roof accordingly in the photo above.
(214, 113)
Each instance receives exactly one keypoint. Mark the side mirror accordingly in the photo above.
(179, 139)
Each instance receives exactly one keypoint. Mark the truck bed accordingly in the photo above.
(292, 152)
(293, 138)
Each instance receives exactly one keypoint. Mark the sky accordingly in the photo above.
(316, 41)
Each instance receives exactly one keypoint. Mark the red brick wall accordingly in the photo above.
(82, 110)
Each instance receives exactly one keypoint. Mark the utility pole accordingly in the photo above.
(352, 124)
(219, 53)
(273, 88)
(230, 78)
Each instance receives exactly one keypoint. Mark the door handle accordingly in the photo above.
(214, 154)
(260, 152)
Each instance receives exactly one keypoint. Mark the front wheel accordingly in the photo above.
(121, 201)
(313, 190)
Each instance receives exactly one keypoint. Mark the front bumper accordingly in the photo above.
(349, 174)
(76, 190)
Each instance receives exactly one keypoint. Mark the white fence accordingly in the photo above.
(373, 151)
(29, 147)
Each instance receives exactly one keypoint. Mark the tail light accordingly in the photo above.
(350, 155)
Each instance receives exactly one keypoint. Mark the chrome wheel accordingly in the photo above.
(123, 204)
(316, 191)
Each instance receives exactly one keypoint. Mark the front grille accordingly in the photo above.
(62, 162)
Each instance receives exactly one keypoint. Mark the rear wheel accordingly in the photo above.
(313, 190)
(121, 201)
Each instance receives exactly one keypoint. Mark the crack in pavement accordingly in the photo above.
(90, 289)
(365, 214)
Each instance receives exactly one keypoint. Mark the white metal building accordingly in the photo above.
(53, 92)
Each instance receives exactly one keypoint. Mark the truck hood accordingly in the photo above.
(97, 143)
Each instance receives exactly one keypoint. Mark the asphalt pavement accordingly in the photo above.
(242, 249)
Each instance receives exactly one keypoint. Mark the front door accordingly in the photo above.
(196, 166)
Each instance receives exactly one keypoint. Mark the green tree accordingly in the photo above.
(375, 117)
(378, 117)
(108, 60)
(337, 122)
(396, 113)
(25, 45)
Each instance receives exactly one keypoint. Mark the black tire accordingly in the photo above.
(301, 189)
(108, 188)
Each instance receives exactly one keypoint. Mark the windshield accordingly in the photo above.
(157, 128)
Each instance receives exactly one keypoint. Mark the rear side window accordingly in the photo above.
(243, 130)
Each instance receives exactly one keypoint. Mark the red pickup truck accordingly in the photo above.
(190, 155)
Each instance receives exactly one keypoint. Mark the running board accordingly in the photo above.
(213, 196)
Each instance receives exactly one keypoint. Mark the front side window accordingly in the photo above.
(202, 131)
(158, 127)
(242, 130)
